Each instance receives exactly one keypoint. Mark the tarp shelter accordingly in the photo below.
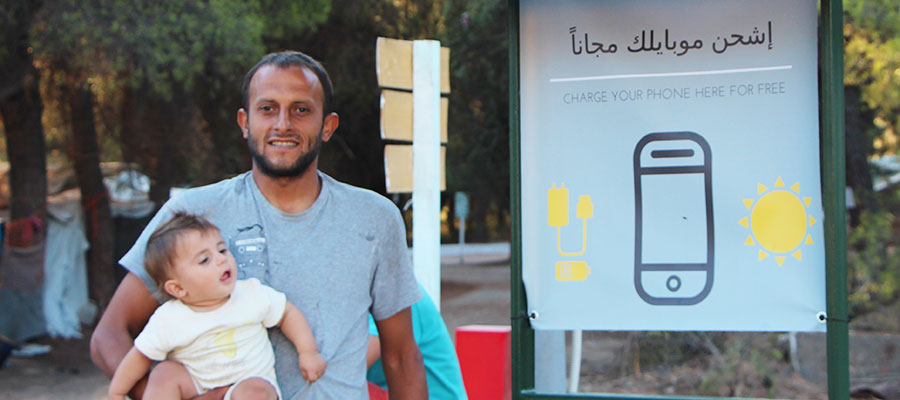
(51, 296)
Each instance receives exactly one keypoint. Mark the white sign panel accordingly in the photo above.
(670, 165)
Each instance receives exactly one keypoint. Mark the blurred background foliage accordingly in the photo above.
(164, 79)
(872, 92)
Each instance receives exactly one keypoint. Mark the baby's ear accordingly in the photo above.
(174, 289)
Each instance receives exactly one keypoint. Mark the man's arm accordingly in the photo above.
(128, 311)
(401, 358)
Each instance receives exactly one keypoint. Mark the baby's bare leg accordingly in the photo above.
(254, 389)
(170, 380)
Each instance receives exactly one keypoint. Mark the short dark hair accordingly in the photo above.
(159, 257)
(287, 59)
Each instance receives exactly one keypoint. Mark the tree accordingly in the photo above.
(872, 80)
(20, 108)
(872, 75)
(478, 152)
(154, 63)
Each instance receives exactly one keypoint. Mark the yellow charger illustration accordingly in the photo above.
(572, 270)
(558, 216)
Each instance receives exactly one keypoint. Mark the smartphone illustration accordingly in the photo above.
(673, 240)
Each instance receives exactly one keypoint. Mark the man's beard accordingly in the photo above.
(294, 170)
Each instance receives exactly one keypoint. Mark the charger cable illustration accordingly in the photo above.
(558, 216)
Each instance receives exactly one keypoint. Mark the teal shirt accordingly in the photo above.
(441, 364)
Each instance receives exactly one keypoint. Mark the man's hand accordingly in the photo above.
(401, 358)
(312, 365)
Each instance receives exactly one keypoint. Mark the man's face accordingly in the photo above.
(284, 127)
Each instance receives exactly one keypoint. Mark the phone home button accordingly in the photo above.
(673, 283)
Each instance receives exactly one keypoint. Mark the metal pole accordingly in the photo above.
(833, 188)
(462, 240)
(575, 362)
(522, 334)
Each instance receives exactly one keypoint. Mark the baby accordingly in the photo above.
(213, 330)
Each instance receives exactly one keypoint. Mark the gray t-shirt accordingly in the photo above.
(337, 261)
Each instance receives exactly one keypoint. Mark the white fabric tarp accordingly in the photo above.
(65, 269)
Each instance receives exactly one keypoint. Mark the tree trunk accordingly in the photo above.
(218, 102)
(147, 127)
(163, 150)
(21, 111)
(452, 231)
(858, 147)
(94, 196)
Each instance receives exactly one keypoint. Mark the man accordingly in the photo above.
(337, 252)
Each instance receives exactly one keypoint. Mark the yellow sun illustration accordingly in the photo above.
(778, 221)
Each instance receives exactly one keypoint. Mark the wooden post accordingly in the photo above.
(426, 166)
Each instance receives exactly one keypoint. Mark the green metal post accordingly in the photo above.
(522, 334)
(833, 183)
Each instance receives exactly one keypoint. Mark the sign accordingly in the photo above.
(397, 116)
(398, 168)
(394, 65)
(394, 62)
(461, 205)
(670, 165)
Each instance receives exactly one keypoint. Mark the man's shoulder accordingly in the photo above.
(212, 194)
(358, 196)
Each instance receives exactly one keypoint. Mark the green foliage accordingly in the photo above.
(748, 365)
(874, 262)
(288, 18)
(164, 43)
(6, 24)
(168, 73)
(872, 62)
(478, 148)
(717, 364)
(882, 17)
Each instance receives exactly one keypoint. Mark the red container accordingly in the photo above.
(484, 357)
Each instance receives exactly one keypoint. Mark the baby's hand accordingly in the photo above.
(312, 365)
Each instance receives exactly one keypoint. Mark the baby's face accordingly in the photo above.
(204, 268)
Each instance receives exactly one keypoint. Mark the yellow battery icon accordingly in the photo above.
(572, 270)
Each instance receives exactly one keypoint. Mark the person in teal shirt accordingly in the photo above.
(441, 364)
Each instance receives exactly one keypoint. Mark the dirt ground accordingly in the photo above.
(479, 294)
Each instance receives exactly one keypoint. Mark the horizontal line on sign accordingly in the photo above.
(672, 153)
(681, 169)
(671, 74)
(388, 141)
(408, 90)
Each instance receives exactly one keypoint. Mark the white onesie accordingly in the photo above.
(219, 347)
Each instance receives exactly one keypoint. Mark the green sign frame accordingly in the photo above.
(831, 121)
